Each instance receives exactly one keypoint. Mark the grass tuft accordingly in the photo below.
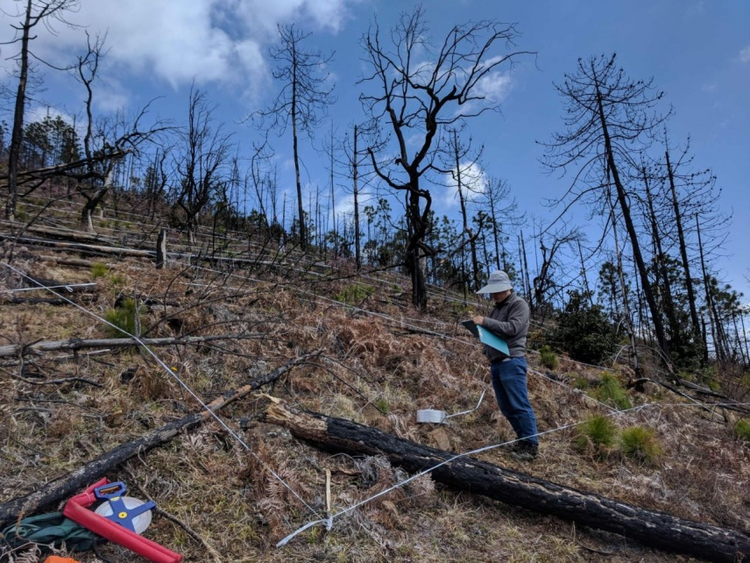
(742, 429)
(610, 391)
(548, 358)
(128, 317)
(641, 444)
(98, 270)
(581, 382)
(598, 434)
(354, 294)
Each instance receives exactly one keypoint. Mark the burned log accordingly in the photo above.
(75, 481)
(76, 344)
(77, 247)
(38, 300)
(653, 528)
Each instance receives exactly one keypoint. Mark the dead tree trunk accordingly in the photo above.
(161, 249)
(75, 481)
(75, 344)
(657, 529)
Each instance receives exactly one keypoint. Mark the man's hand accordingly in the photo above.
(478, 320)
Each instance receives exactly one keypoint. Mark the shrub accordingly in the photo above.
(98, 270)
(382, 405)
(581, 382)
(584, 331)
(548, 358)
(118, 281)
(127, 317)
(640, 444)
(610, 391)
(742, 429)
(599, 433)
(354, 294)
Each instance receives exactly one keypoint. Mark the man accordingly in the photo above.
(509, 319)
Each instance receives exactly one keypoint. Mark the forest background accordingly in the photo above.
(238, 113)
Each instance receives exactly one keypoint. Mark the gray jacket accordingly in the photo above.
(510, 321)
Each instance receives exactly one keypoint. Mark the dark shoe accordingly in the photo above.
(510, 447)
(525, 451)
(514, 446)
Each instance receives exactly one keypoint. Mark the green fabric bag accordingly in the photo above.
(53, 528)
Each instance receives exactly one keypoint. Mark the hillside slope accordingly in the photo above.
(232, 490)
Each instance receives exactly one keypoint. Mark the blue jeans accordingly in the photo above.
(509, 382)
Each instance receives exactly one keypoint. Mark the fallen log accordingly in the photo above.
(69, 234)
(37, 301)
(77, 246)
(76, 262)
(75, 344)
(726, 402)
(75, 481)
(656, 529)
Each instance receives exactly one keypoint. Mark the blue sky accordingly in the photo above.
(697, 52)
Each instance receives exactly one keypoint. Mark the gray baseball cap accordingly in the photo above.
(499, 281)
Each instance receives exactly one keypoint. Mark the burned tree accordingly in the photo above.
(413, 97)
(34, 12)
(690, 193)
(502, 213)
(469, 181)
(104, 146)
(609, 118)
(202, 165)
(305, 94)
(100, 173)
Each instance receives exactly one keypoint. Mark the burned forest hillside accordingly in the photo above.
(172, 379)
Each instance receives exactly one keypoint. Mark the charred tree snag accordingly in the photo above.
(656, 529)
(161, 249)
(66, 486)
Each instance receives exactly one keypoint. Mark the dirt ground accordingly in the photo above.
(231, 489)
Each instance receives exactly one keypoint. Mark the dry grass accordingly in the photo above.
(376, 370)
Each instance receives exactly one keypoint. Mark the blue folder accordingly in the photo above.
(487, 337)
(490, 339)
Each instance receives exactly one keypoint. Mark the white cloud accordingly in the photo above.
(38, 113)
(264, 15)
(495, 87)
(473, 184)
(345, 205)
(422, 72)
(745, 55)
(176, 41)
